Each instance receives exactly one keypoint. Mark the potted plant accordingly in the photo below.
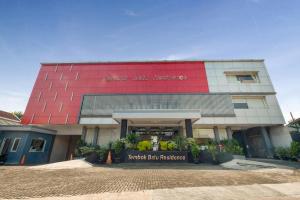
(195, 150)
(118, 146)
(171, 146)
(144, 145)
(102, 153)
(131, 141)
(180, 143)
(212, 149)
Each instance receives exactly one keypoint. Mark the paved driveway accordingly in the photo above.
(20, 182)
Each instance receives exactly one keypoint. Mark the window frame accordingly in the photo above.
(34, 151)
(13, 144)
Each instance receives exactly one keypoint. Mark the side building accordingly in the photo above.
(103, 101)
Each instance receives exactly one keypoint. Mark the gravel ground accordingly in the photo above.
(21, 182)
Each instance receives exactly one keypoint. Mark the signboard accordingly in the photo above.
(156, 156)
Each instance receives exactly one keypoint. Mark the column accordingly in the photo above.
(229, 133)
(217, 135)
(188, 128)
(96, 134)
(83, 133)
(268, 144)
(123, 128)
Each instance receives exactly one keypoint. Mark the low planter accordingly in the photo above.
(92, 157)
(224, 157)
(205, 157)
(155, 156)
(240, 157)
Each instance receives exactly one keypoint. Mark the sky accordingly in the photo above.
(35, 31)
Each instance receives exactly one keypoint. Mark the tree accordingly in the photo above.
(19, 114)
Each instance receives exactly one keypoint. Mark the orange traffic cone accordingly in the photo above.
(108, 160)
(22, 161)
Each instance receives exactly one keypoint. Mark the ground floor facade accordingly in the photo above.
(257, 142)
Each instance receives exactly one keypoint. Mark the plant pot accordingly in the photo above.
(215, 162)
(196, 161)
(224, 157)
(92, 157)
(117, 159)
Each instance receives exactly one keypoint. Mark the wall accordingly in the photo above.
(280, 136)
(15, 157)
(218, 83)
(60, 148)
(57, 92)
(24, 146)
(107, 135)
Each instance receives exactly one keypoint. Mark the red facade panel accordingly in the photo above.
(58, 90)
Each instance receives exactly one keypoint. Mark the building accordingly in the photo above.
(103, 101)
(7, 118)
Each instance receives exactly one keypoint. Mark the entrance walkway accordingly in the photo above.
(285, 191)
(26, 182)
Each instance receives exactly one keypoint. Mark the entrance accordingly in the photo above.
(162, 133)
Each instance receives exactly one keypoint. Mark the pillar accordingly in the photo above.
(229, 133)
(188, 128)
(83, 133)
(267, 141)
(123, 128)
(96, 134)
(217, 135)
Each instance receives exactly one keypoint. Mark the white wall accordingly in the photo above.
(280, 136)
(255, 115)
(218, 82)
(65, 129)
(107, 135)
(60, 148)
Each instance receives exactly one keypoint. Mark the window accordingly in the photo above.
(15, 145)
(240, 105)
(244, 78)
(37, 145)
(249, 102)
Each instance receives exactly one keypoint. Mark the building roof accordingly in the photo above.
(150, 61)
(7, 118)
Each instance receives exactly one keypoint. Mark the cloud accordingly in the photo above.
(130, 13)
(13, 101)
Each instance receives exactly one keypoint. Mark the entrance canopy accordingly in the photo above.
(154, 108)
(158, 116)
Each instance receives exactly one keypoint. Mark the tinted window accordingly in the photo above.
(244, 78)
(240, 105)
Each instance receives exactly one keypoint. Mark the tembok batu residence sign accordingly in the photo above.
(156, 156)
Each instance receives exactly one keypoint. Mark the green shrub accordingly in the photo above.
(212, 149)
(118, 146)
(171, 145)
(102, 153)
(163, 145)
(180, 143)
(294, 150)
(282, 152)
(195, 150)
(85, 150)
(144, 145)
(190, 142)
(232, 146)
(131, 141)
